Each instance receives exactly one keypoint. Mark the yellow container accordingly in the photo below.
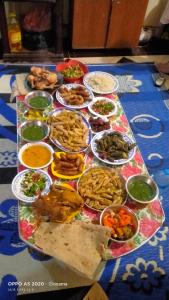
(14, 33)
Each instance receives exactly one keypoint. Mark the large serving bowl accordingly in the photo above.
(36, 155)
(72, 70)
(38, 100)
(33, 131)
(142, 188)
(122, 220)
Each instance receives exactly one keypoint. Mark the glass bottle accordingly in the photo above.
(14, 33)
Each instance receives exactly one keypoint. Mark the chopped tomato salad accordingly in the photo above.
(122, 224)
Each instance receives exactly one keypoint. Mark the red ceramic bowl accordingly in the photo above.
(71, 62)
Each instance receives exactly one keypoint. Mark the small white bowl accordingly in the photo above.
(112, 113)
(26, 146)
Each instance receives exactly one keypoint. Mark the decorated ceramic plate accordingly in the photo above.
(29, 184)
(58, 174)
(102, 107)
(101, 82)
(97, 153)
(91, 186)
(65, 125)
(65, 95)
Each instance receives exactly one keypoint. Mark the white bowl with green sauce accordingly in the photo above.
(33, 131)
(142, 188)
(38, 100)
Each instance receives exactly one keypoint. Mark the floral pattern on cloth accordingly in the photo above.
(149, 223)
(10, 243)
(8, 158)
(143, 275)
(127, 84)
(156, 249)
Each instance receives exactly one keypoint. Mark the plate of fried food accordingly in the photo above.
(75, 96)
(43, 79)
(101, 187)
(113, 147)
(67, 165)
(69, 130)
(61, 204)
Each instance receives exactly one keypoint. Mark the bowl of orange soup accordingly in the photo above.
(36, 155)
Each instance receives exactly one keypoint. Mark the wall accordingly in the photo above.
(154, 11)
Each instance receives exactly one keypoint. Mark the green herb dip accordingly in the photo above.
(33, 133)
(141, 190)
(39, 102)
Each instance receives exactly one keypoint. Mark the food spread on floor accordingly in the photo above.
(66, 217)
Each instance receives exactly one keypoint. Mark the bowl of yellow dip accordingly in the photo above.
(36, 155)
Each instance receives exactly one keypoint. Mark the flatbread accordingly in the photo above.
(79, 245)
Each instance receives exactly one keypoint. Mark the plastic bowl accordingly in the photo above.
(115, 209)
(68, 63)
(146, 179)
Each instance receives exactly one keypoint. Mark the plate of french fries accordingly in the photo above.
(101, 187)
(75, 96)
(69, 130)
(68, 165)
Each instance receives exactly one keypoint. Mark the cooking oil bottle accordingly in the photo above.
(14, 33)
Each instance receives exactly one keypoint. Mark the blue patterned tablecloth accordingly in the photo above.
(144, 274)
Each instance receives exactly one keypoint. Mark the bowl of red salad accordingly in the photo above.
(122, 221)
(103, 107)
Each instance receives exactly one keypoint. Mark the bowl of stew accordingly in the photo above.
(38, 100)
(123, 222)
(142, 188)
(33, 131)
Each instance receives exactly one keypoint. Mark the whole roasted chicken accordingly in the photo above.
(40, 78)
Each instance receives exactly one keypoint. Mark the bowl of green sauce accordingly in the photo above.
(33, 131)
(142, 188)
(38, 100)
